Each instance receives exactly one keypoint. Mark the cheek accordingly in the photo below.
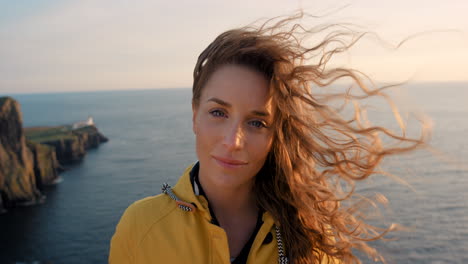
(260, 147)
(205, 136)
(205, 129)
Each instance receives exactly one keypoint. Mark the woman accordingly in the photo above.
(273, 160)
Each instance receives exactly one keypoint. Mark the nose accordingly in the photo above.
(234, 137)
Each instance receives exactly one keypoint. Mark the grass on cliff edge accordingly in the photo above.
(45, 134)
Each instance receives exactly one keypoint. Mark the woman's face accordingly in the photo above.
(232, 125)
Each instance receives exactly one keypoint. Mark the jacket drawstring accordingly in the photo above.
(188, 207)
(282, 259)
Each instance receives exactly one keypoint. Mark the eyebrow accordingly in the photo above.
(219, 101)
(226, 104)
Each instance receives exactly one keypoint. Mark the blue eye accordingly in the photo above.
(217, 113)
(257, 123)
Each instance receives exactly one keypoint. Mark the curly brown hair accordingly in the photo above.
(317, 154)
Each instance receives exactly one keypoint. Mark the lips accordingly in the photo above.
(229, 163)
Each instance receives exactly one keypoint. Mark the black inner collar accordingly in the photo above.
(243, 255)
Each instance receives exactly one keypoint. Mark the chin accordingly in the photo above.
(224, 180)
(230, 177)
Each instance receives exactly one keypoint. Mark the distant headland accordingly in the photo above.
(31, 158)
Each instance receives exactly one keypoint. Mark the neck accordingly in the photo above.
(233, 203)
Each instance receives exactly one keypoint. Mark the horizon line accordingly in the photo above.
(181, 88)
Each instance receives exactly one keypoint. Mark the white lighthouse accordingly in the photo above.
(88, 122)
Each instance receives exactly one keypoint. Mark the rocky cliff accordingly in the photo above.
(31, 158)
(70, 144)
(46, 165)
(17, 177)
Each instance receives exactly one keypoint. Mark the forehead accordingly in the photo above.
(239, 85)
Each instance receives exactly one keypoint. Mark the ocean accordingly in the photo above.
(151, 142)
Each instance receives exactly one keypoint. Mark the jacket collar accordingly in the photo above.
(184, 191)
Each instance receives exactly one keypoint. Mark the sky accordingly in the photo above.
(93, 45)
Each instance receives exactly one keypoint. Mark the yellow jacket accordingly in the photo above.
(158, 230)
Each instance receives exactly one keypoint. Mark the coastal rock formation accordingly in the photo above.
(68, 149)
(90, 137)
(31, 158)
(70, 144)
(17, 178)
(46, 165)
